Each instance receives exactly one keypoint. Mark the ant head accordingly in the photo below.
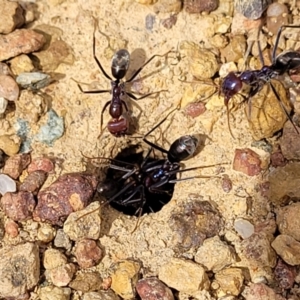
(118, 127)
(120, 63)
(183, 148)
(231, 85)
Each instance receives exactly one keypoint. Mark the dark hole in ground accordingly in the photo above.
(130, 158)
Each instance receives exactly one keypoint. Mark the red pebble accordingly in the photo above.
(41, 163)
(247, 162)
(195, 109)
(12, 229)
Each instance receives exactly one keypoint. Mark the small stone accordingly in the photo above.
(199, 6)
(235, 50)
(41, 163)
(247, 162)
(285, 275)
(202, 62)
(33, 80)
(262, 292)
(169, 22)
(252, 9)
(53, 258)
(54, 293)
(288, 221)
(284, 184)
(195, 109)
(62, 275)
(10, 144)
(101, 295)
(33, 182)
(289, 143)
(242, 25)
(86, 282)
(149, 22)
(12, 16)
(124, 275)
(85, 223)
(224, 255)
(167, 6)
(19, 269)
(3, 105)
(244, 228)
(70, 192)
(18, 206)
(230, 281)
(7, 184)
(9, 89)
(46, 233)
(226, 68)
(87, 253)
(20, 41)
(184, 276)
(277, 15)
(12, 229)
(15, 165)
(20, 64)
(226, 183)
(62, 240)
(152, 289)
(277, 158)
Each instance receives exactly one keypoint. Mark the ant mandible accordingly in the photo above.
(283, 63)
(119, 124)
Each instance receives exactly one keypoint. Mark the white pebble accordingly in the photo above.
(3, 105)
(7, 184)
(244, 228)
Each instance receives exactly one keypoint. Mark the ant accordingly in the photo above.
(119, 124)
(255, 79)
(141, 186)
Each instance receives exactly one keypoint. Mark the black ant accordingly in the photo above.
(119, 124)
(141, 187)
(255, 79)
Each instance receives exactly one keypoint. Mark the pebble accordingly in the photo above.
(7, 184)
(124, 275)
(152, 289)
(277, 15)
(277, 159)
(10, 144)
(287, 248)
(87, 253)
(19, 269)
(62, 240)
(149, 22)
(41, 164)
(52, 130)
(287, 220)
(5, 70)
(260, 291)
(167, 6)
(101, 295)
(252, 9)
(226, 183)
(230, 281)
(12, 229)
(203, 63)
(20, 64)
(53, 258)
(184, 276)
(54, 293)
(235, 50)
(9, 88)
(15, 165)
(247, 162)
(33, 80)
(46, 233)
(20, 41)
(85, 223)
(242, 25)
(289, 143)
(267, 116)
(62, 275)
(284, 274)
(194, 222)
(33, 182)
(244, 228)
(223, 255)
(69, 193)
(58, 52)
(199, 6)
(284, 184)
(86, 282)
(227, 68)
(195, 109)
(3, 105)
(168, 23)
(18, 206)
(12, 16)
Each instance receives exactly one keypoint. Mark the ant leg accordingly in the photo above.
(283, 107)
(147, 62)
(144, 96)
(278, 37)
(228, 121)
(156, 126)
(90, 92)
